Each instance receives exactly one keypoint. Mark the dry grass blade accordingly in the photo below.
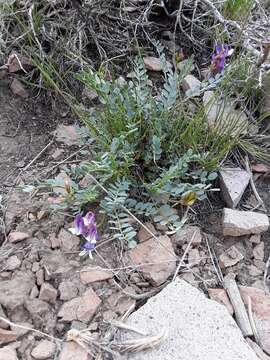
(137, 345)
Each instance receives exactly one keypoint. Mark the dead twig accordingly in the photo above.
(259, 199)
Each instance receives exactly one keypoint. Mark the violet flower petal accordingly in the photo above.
(89, 219)
(78, 225)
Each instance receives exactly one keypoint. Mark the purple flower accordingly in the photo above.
(85, 226)
(218, 59)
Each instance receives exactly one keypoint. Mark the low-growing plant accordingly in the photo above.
(150, 153)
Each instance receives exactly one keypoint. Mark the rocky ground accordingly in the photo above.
(45, 286)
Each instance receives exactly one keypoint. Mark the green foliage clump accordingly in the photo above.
(237, 9)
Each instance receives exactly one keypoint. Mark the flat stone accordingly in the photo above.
(68, 290)
(221, 296)
(44, 350)
(17, 236)
(198, 328)
(67, 134)
(260, 305)
(12, 263)
(68, 241)
(152, 63)
(73, 351)
(40, 277)
(233, 183)
(238, 223)
(7, 336)
(258, 251)
(160, 256)
(18, 89)
(48, 293)
(14, 292)
(230, 257)
(223, 115)
(8, 353)
(260, 168)
(191, 83)
(184, 235)
(88, 275)
(37, 307)
(81, 308)
(144, 235)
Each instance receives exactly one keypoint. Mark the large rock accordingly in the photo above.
(233, 183)
(8, 353)
(14, 292)
(238, 223)
(198, 328)
(191, 84)
(73, 351)
(260, 305)
(160, 256)
(223, 116)
(44, 350)
(80, 308)
(91, 275)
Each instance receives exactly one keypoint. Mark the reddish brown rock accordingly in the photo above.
(81, 308)
(160, 256)
(73, 351)
(260, 305)
(17, 236)
(144, 235)
(8, 353)
(152, 63)
(7, 336)
(259, 168)
(48, 293)
(220, 295)
(88, 275)
(18, 89)
(44, 350)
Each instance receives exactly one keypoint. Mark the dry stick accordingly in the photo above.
(30, 329)
(216, 267)
(184, 255)
(266, 289)
(238, 306)
(252, 322)
(37, 156)
(259, 199)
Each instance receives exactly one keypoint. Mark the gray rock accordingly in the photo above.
(198, 328)
(14, 292)
(192, 84)
(233, 183)
(8, 353)
(223, 116)
(238, 223)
